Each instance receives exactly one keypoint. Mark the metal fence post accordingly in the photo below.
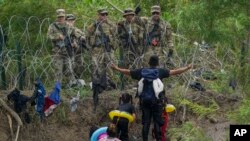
(20, 69)
(2, 70)
(121, 63)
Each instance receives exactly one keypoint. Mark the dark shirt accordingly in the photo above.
(127, 107)
(136, 73)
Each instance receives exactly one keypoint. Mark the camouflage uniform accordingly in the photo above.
(158, 38)
(131, 41)
(101, 40)
(78, 41)
(131, 44)
(61, 59)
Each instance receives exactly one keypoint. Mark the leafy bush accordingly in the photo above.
(200, 110)
(242, 113)
(188, 132)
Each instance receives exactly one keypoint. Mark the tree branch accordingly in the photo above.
(12, 113)
(11, 129)
(114, 6)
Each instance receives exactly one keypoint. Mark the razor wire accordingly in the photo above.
(31, 34)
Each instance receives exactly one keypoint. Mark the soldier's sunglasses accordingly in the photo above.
(104, 14)
(155, 13)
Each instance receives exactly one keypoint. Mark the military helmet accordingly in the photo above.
(70, 17)
(155, 8)
(60, 13)
(128, 11)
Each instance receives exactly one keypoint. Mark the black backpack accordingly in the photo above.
(147, 95)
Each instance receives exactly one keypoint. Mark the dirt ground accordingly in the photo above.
(64, 125)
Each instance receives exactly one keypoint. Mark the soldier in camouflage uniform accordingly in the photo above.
(158, 38)
(131, 40)
(130, 35)
(78, 42)
(57, 32)
(101, 40)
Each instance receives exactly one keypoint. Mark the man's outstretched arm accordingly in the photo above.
(124, 71)
(180, 70)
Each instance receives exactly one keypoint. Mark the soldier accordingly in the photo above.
(130, 36)
(101, 39)
(78, 42)
(59, 33)
(158, 37)
(131, 39)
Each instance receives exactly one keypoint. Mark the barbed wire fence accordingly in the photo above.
(25, 53)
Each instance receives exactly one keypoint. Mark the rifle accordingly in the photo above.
(129, 40)
(104, 38)
(67, 41)
(153, 34)
(83, 45)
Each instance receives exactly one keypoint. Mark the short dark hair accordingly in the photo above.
(111, 131)
(153, 61)
(126, 98)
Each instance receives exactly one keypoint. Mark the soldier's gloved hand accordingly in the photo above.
(74, 45)
(170, 53)
(82, 38)
(61, 37)
(169, 61)
(137, 9)
(98, 33)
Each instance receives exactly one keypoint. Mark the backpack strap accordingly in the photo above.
(63, 30)
(140, 86)
(151, 75)
(158, 87)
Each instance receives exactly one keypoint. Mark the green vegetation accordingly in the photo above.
(188, 132)
(242, 113)
(222, 24)
(200, 110)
